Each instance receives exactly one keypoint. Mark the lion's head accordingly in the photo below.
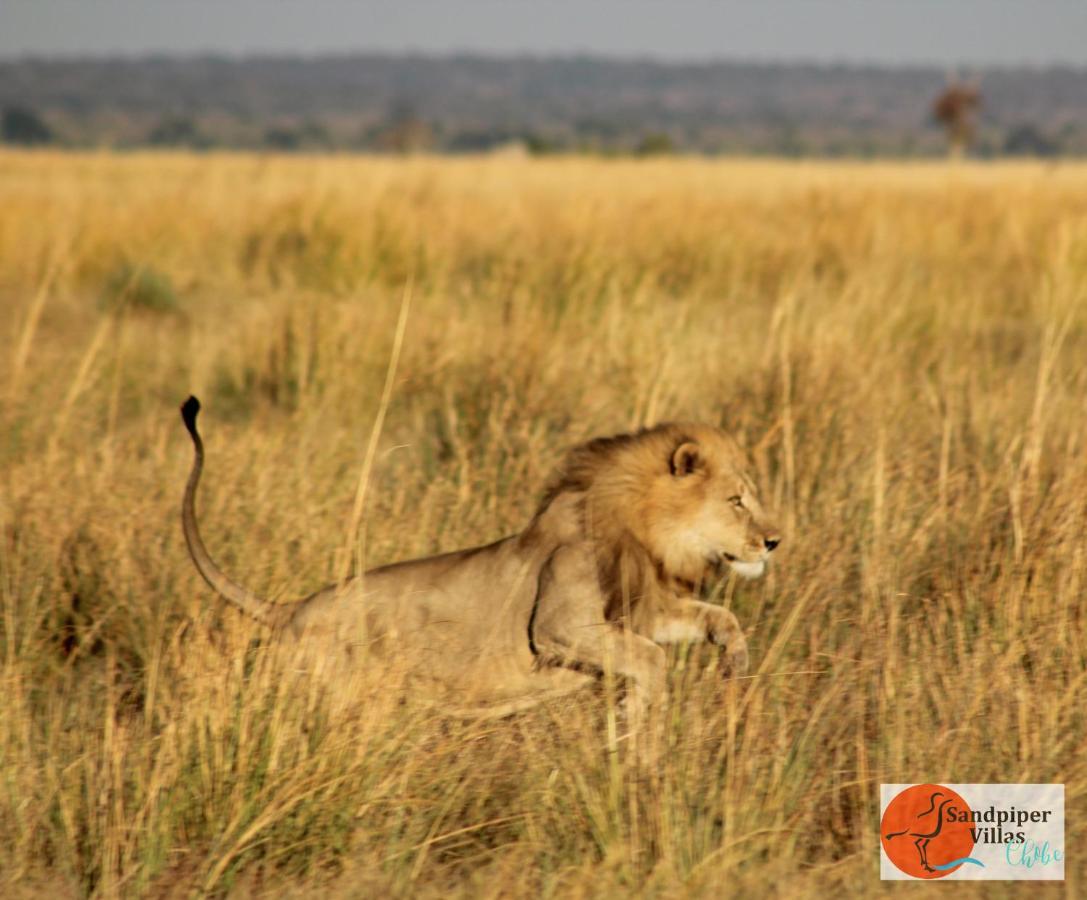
(680, 492)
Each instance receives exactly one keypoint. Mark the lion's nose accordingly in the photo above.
(771, 543)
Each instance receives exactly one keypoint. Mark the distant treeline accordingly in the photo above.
(461, 104)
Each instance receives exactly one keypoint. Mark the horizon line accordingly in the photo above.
(602, 56)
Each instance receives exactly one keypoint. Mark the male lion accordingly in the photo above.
(609, 568)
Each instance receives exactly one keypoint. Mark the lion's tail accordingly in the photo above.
(260, 609)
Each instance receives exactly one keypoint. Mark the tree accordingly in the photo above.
(1026, 140)
(406, 136)
(404, 131)
(956, 108)
(288, 138)
(178, 131)
(655, 143)
(540, 144)
(20, 125)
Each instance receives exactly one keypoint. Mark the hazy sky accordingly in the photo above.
(945, 32)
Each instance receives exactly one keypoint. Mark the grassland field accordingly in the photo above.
(901, 347)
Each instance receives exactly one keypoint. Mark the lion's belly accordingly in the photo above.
(489, 697)
(461, 619)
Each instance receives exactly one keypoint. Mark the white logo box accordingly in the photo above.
(1039, 857)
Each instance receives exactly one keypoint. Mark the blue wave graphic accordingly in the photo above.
(959, 862)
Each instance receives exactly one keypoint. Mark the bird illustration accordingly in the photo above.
(924, 837)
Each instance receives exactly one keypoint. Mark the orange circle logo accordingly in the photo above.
(925, 831)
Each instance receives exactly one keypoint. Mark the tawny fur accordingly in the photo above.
(609, 568)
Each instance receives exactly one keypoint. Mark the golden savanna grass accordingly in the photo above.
(902, 348)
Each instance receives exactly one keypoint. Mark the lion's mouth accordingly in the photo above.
(748, 569)
(744, 568)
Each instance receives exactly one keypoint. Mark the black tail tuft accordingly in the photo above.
(189, 409)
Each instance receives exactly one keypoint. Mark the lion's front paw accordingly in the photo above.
(736, 657)
(731, 639)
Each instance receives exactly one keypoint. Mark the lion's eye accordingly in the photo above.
(737, 501)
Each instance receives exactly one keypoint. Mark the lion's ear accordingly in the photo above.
(686, 459)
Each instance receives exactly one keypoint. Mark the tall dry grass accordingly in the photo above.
(901, 347)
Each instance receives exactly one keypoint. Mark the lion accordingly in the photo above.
(608, 571)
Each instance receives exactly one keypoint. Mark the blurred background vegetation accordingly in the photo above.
(469, 104)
